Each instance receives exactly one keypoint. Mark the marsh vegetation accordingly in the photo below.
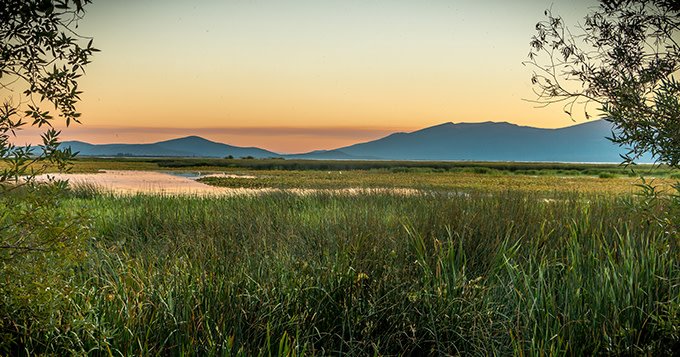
(499, 270)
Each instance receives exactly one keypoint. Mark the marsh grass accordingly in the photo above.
(283, 274)
(84, 190)
(93, 164)
(481, 180)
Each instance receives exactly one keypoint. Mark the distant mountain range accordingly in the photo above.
(488, 141)
(190, 146)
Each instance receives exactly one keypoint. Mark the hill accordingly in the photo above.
(488, 141)
(190, 146)
(493, 141)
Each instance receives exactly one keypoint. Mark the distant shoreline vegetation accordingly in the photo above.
(477, 167)
(231, 157)
(482, 167)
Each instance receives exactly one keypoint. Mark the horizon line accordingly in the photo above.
(270, 138)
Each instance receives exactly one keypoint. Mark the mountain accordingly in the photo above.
(190, 146)
(488, 141)
(493, 141)
(329, 155)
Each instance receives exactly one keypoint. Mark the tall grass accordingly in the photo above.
(508, 273)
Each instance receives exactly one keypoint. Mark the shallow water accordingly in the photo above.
(132, 182)
(194, 175)
(126, 182)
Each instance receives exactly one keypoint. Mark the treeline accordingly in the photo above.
(531, 168)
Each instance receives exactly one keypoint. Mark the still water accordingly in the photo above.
(132, 182)
(127, 182)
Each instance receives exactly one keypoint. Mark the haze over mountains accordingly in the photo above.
(190, 146)
(488, 141)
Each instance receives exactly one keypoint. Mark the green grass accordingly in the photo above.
(410, 166)
(490, 272)
(87, 164)
(476, 180)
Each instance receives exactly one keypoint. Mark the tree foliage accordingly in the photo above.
(41, 239)
(624, 58)
(41, 60)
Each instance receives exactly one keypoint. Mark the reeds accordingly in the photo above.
(479, 274)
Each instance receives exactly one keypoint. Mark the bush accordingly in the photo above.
(43, 242)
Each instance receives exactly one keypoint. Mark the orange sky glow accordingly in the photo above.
(305, 75)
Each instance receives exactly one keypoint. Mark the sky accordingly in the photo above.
(294, 76)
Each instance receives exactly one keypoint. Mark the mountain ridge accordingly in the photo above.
(482, 141)
(496, 141)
